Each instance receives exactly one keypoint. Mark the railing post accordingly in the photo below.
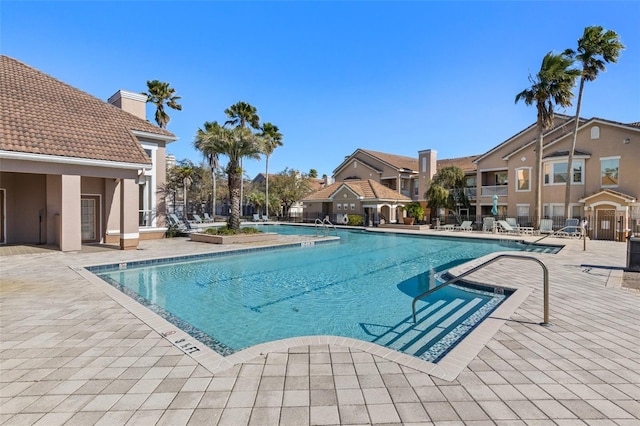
(545, 275)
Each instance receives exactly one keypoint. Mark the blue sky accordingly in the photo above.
(396, 77)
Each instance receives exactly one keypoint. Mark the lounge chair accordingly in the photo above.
(182, 225)
(197, 218)
(464, 226)
(488, 224)
(503, 226)
(546, 226)
(521, 229)
(265, 218)
(207, 218)
(571, 228)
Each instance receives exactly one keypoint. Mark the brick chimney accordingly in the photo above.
(133, 103)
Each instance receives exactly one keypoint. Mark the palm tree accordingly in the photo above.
(272, 139)
(159, 94)
(595, 48)
(550, 87)
(239, 115)
(235, 143)
(211, 130)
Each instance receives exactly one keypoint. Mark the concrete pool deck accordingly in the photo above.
(74, 352)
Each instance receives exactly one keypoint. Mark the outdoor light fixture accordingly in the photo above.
(626, 141)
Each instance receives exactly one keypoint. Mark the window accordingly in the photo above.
(522, 210)
(424, 164)
(416, 187)
(338, 206)
(555, 173)
(353, 206)
(609, 171)
(470, 181)
(523, 180)
(502, 178)
(553, 210)
(595, 132)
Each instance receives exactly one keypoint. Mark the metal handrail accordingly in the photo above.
(557, 231)
(325, 225)
(545, 272)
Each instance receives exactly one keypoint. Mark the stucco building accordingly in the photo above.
(73, 168)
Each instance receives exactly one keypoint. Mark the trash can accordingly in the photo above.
(633, 254)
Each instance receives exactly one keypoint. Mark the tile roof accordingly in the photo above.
(465, 163)
(42, 115)
(397, 161)
(367, 189)
(410, 164)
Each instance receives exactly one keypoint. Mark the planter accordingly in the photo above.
(408, 220)
(233, 239)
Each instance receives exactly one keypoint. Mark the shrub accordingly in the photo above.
(225, 230)
(355, 220)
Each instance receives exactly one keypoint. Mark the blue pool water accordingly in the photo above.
(359, 287)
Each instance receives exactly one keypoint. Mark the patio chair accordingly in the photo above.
(503, 226)
(488, 224)
(207, 218)
(571, 228)
(512, 221)
(265, 218)
(197, 218)
(546, 226)
(464, 226)
(182, 225)
(521, 229)
(256, 217)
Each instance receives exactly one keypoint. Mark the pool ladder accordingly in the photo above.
(545, 272)
(325, 223)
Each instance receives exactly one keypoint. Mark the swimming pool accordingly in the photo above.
(360, 287)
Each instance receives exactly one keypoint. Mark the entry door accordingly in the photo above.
(605, 225)
(89, 219)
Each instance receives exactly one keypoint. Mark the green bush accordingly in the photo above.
(224, 230)
(355, 220)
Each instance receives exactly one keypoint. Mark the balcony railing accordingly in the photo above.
(490, 191)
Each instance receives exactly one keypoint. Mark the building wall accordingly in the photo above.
(25, 201)
(610, 143)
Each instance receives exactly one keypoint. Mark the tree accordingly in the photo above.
(211, 130)
(313, 173)
(235, 143)
(272, 138)
(551, 86)
(183, 175)
(290, 186)
(596, 47)
(159, 94)
(240, 114)
(447, 189)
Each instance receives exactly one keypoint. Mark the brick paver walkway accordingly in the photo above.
(71, 354)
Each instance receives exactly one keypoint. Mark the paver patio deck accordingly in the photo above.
(73, 353)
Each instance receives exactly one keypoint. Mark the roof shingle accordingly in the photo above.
(42, 115)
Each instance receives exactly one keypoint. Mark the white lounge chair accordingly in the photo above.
(546, 226)
(265, 218)
(465, 226)
(207, 218)
(197, 218)
(503, 226)
(521, 229)
(256, 217)
(488, 224)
